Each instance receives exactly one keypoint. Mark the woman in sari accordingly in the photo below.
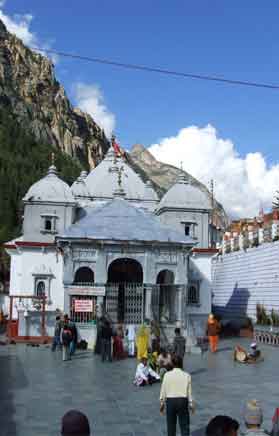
(142, 342)
(118, 348)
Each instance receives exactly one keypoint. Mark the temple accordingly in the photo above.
(109, 244)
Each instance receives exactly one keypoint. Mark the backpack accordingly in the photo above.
(66, 336)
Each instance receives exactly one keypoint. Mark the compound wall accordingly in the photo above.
(243, 278)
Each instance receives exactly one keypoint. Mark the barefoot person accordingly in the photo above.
(213, 330)
(145, 375)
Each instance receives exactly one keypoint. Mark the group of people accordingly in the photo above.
(75, 423)
(222, 425)
(114, 343)
(65, 337)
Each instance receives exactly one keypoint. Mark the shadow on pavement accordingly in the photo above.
(11, 375)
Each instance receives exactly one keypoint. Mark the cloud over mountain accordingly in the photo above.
(91, 100)
(242, 184)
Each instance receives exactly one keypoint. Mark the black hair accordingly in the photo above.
(177, 361)
(221, 425)
(177, 331)
(57, 318)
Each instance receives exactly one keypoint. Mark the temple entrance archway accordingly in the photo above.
(165, 280)
(124, 291)
(84, 275)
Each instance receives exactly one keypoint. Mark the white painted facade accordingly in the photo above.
(62, 234)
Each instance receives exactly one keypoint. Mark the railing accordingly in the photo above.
(249, 239)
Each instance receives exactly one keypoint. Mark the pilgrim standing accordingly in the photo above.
(213, 330)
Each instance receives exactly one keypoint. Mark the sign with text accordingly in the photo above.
(95, 291)
(83, 306)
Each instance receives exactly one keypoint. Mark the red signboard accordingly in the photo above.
(83, 306)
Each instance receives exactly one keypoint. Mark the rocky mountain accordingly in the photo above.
(164, 176)
(29, 89)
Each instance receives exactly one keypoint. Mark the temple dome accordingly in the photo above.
(79, 188)
(50, 188)
(184, 195)
(103, 180)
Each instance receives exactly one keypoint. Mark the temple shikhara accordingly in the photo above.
(109, 244)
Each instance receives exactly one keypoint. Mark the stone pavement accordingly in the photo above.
(37, 388)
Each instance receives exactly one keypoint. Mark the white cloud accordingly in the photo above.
(90, 99)
(20, 25)
(242, 185)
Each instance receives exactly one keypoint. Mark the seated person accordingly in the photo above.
(164, 362)
(152, 360)
(144, 374)
(241, 355)
(254, 352)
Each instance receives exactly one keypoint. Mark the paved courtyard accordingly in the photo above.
(37, 388)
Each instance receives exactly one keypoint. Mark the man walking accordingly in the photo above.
(106, 335)
(57, 330)
(176, 395)
(179, 344)
(66, 339)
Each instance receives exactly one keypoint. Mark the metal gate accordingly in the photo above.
(112, 301)
(134, 306)
(132, 300)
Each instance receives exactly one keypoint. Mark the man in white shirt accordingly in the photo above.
(176, 394)
(145, 375)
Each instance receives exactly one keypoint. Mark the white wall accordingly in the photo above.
(24, 263)
(242, 279)
(200, 264)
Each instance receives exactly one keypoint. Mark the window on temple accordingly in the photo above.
(189, 228)
(193, 294)
(48, 224)
(40, 288)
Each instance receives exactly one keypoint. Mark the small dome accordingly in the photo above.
(184, 195)
(103, 180)
(50, 188)
(79, 188)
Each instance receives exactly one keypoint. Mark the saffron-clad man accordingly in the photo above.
(213, 330)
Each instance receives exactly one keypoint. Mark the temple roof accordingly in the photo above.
(102, 180)
(119, 220)
(184, 195)
(50, 188)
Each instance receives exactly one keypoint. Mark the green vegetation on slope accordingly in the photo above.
(23, 161)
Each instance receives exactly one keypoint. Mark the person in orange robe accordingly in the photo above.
(213, 330)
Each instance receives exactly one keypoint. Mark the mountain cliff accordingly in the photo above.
(29, 89)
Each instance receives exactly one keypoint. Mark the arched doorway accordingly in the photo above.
(84, 275)
(125, 270)
(165, 279)
(124, 294)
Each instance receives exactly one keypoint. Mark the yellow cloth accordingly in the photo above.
(142, 342)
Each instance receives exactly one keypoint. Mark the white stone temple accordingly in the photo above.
(108, 244)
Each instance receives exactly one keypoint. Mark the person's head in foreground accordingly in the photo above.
(177, 362)
(253, 414)
(75, 423)
(222, 425)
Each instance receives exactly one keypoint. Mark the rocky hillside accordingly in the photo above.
(164, 176)
(29, 89)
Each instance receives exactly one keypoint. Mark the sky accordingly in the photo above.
(222, 132)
